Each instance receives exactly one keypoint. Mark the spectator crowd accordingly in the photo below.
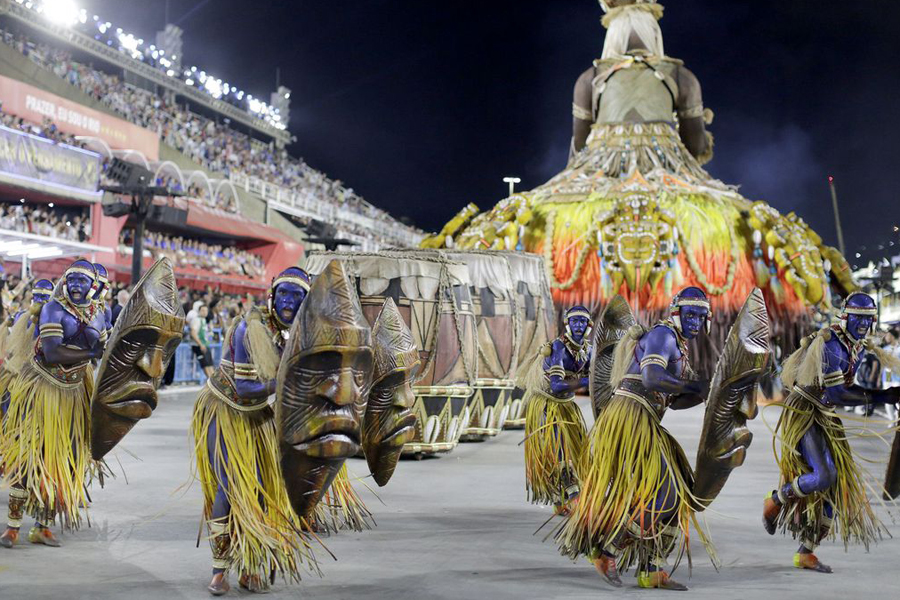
(47, 129)
(217, 147)
(68, 223)
(214, 258)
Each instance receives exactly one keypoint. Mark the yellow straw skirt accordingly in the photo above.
(623, 471)
(854, 519)
(341, 508)
(265, 534)
(45, 446)
(6, 377)
(555, 436)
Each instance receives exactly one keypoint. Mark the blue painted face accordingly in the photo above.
(858, 326)
(578, 325)
(78, 286)
(693, 320)
(102, 274)
(286, 301)
(42, 298)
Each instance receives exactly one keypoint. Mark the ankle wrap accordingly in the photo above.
(220, 542)
(16, 512)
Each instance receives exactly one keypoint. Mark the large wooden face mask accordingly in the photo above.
(323, 382)
(725, 437)
(389, 422)
(142, 343)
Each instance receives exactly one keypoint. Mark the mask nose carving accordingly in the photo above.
(151, 363)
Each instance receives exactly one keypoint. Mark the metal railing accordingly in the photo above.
(307, 205)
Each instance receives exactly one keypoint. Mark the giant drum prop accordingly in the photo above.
(494, 300)
(432, 294)
(537, 318)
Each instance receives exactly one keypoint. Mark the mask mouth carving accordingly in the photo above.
(136, 400)
(736, 452)
(403, 433)
(336, 438)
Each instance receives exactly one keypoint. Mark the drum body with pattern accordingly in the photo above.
(494, 301)
(536, 317)
(432, 294)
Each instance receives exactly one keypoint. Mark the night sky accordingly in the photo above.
(422, 107)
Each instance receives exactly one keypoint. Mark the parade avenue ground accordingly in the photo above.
(449, 528)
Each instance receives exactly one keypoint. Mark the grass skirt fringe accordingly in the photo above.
(854, 519)
(629, 459)
(6, 377)
(341, 508)
(45, 446)
(265, 534)
(555, 436)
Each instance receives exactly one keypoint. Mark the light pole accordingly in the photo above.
(134, 181)
(837, 215)
(512, 181)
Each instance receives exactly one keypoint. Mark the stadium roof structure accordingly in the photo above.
(18, 246)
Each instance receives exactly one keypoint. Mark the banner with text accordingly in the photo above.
(32, 157)
(33, 104)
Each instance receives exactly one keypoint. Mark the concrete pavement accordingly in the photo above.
(455, 527)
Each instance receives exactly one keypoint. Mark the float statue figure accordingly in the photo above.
(634, 213)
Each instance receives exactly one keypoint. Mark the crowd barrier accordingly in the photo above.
(187, 369)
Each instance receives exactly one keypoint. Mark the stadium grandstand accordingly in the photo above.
(77, 93)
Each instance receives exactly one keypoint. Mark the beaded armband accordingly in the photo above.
(691, 112)
(245, 371)
(581, 113)
(834, 378)
(654, 359)
(51, 330)
(556, 370)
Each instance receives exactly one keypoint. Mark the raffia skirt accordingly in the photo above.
(854, 520)
(6, 377)
(629, 459)
(45, 446)
(341, 508)
(264, 533)
(555, 436)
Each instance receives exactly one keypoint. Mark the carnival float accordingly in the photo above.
(634, 212)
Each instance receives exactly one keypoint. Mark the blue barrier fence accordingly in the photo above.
(187, 369)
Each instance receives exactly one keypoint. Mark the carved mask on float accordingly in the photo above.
(323, 382)
(637, 241)
(389, 422)
(142, 343)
